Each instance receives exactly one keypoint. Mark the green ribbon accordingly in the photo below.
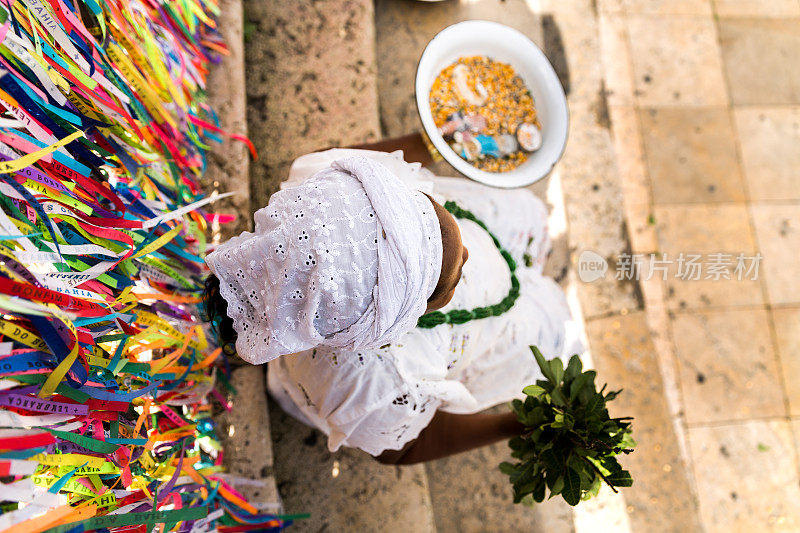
(129, 519)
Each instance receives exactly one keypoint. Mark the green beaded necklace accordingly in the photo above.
(460, 316)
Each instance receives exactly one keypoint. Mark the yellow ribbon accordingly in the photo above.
(31, 158)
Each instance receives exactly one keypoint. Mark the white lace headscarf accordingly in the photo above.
(346, 259)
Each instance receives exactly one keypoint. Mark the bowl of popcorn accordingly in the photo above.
(491, 104)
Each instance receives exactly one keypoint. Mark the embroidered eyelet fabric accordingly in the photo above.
(347, 258)
(381, 399)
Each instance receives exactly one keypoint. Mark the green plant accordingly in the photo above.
(569, 443)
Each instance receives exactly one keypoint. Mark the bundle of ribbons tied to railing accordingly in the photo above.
(108, 374)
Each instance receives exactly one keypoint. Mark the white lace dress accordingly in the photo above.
(381, 399)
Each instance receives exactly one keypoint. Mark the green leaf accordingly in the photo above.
(595, 488)
(558, 397)
(516, 443)
(627, 440)
(524, 474)
(558, 486)
(543, 365)
(557, 367)
(587, 478)
(595, 406)
(581, 382)
(528, 487)
(621, 478)
(613, 394)
(533, 390)
(533, 418)
(538, 492)
(609, 465)
(507, 468)
(572, 487)
(573, 369)
(550, 478)
(553, 460)
(570, 441)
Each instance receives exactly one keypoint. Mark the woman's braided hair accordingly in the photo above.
(217, 313)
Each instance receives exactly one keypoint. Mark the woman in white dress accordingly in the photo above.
(412, 390)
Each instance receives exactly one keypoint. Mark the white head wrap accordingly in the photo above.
(347, 259)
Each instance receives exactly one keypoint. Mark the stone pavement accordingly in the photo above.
(659, 93)
(310, 82)
(704, 102)
(311, 85)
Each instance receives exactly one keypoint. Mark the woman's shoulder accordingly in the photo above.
(412, 174)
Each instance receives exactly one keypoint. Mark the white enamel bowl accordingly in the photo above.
(507, 45)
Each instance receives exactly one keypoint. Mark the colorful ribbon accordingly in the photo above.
(108, 373)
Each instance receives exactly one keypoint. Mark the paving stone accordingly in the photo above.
(659, 322)
(757, 8)
(668, 7)
(787, 337)
(310, 82)
(661, 498)
(347, 490)
(778, 231)
(727, 365)
(228, 161)
(634, 179)
(676, 61)
(704, 231)
(610, 6)
(746, 476)
(245, 436)
(605, 512)
(588, 172)
(757, 53)
(618, 74)
(470, 495)
(795, 423)
(691, 155)
(769, 137)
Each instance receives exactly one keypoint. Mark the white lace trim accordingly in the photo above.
(318, 270)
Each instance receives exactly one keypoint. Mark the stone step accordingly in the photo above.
(622, 345)
(311, 84)
(228, 161)
(247, 441)
(347, 490)
(468, 492)
(245, 429)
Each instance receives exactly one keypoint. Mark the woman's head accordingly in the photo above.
(348, 259)
(216, 309)
(454, 255)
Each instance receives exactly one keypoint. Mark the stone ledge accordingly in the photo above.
(228, 162)
(245, 436)
(311, 82)
(312, 85)
(244, 431)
